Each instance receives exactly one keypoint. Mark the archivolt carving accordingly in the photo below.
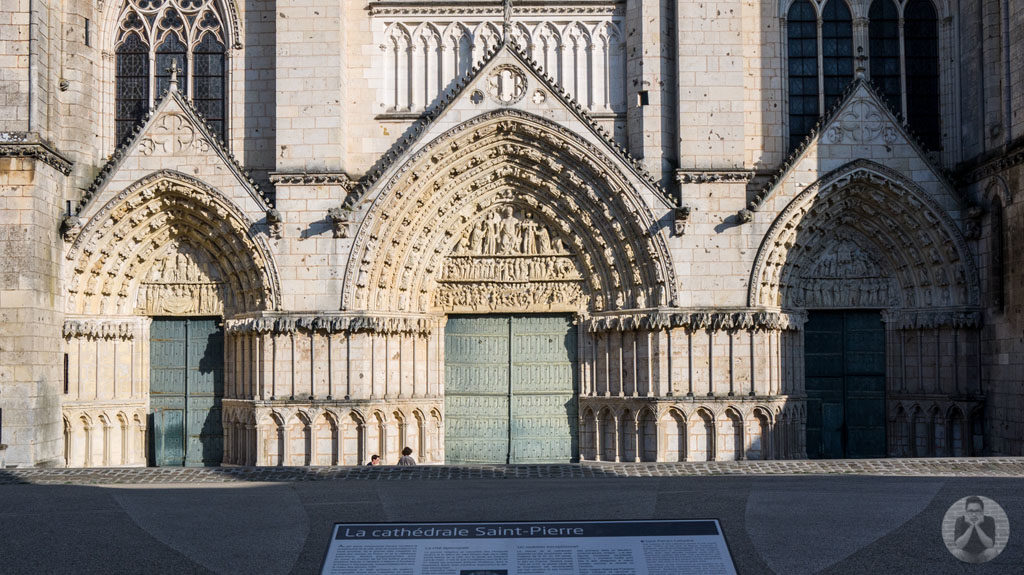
(911, 239)
(502, 198)
(170, 245)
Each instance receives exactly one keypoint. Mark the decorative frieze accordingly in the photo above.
(696, 320)
(100, 328)
(313, 179)
(332, 323)
(904, 319)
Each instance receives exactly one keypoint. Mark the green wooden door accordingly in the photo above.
(186, 390)
(544, 411)
(510, 389)
(476, 398)
(844, 354)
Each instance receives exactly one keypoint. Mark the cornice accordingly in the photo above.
(29, 145)
(100, 329)
(490, 8)
(987, 168)
(955, 318)
(313, 178)
(332, 323)
(697, 320)
(714, 176)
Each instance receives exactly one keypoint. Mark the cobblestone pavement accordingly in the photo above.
(944, 467)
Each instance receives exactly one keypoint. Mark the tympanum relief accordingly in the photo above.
(183, 282)
(510, 260)
(842, 275)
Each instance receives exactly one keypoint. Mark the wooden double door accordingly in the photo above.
(844, 355)
(186, 389)
(511, 389)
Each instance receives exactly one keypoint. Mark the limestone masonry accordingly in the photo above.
(305, 232)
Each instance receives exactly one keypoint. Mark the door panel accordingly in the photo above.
(510, 389)
(186, 390)
(476, 390)
(544, 395)
(845, 381)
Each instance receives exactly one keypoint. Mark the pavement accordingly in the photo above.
(783, 517)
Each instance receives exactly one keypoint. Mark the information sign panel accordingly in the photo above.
(529, 548)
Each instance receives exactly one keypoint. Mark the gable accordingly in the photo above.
(508, 80)
(861, 127)
(174, 137)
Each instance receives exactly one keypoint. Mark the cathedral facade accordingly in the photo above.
(240, 232)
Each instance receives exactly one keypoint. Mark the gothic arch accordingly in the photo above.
(901, 249)
(508, 164)
(164, 225)
(116, 12)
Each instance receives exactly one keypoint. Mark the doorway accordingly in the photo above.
(186, 389)
(844, 355)
(511, 389)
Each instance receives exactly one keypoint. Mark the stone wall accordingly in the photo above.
(30, 289)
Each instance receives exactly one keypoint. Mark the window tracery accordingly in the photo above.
(153, 34)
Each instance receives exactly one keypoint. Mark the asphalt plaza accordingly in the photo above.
(841, 517)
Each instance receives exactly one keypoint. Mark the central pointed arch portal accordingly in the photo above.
(509, 229)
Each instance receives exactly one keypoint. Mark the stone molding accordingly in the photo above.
(332, 323)
(694, 320)
(995, 166)
(499, 160)
(29, 145)
(101, 329)
(936, 252)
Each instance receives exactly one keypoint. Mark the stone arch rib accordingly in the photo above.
(506, 158)
(117, 249)
(924, 250)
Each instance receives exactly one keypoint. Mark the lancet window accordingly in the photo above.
(154, 34)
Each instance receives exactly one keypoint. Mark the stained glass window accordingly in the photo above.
(208, 81)
(172, 49)
(836, 50)
(922, 52)
(884, 45)
(132, 76)
(802, 30)
(155, 33)
(914, 69)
